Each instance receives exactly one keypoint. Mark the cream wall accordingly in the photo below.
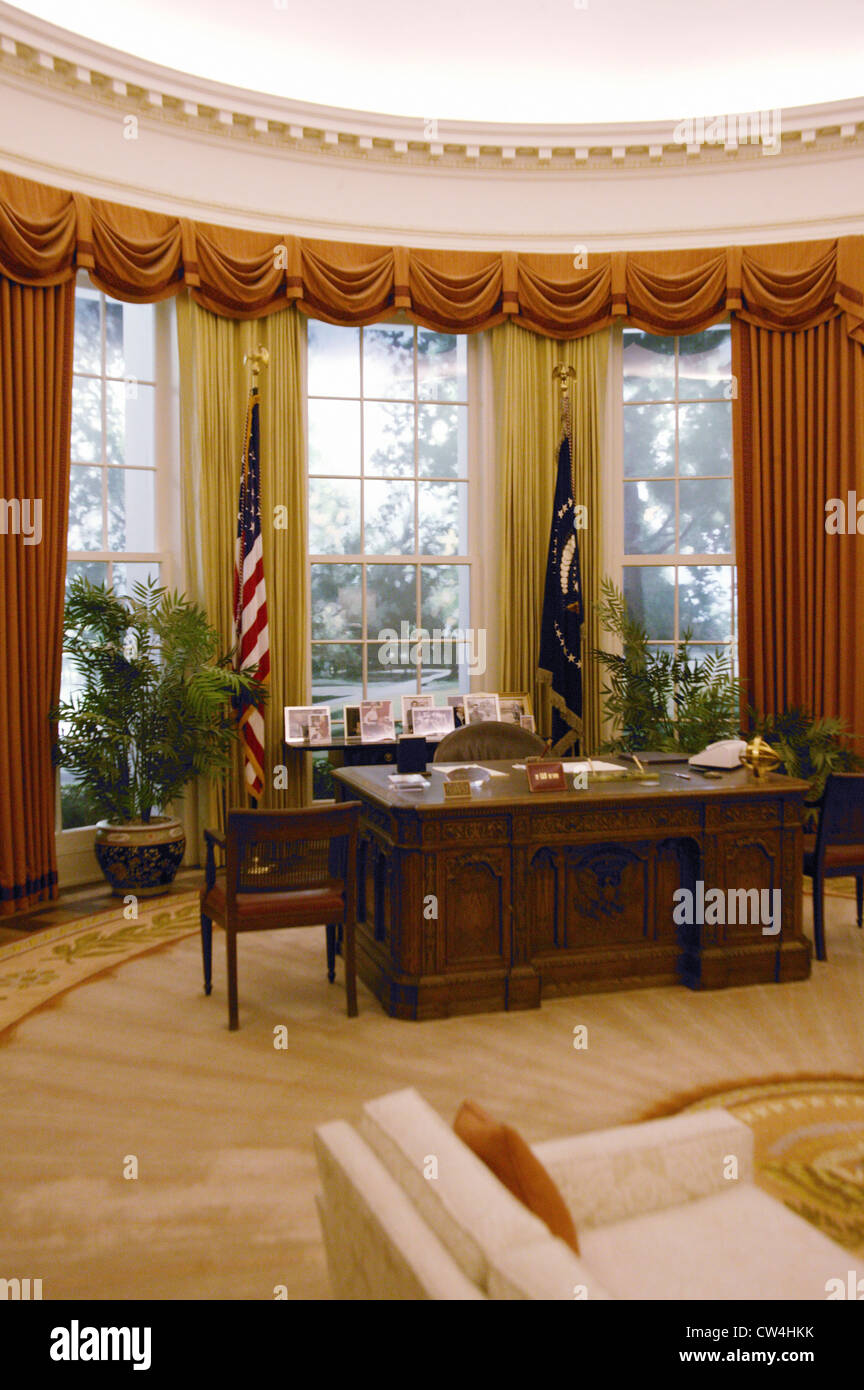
(68, 108)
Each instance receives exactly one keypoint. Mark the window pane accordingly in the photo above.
(130, 419)
(649, 518)
(94, 570)
(388, 439)
(125, 574)
(85, 509)
(442, 441)
(705, 516)
(389, 518)
(337, 601)
(705, 364)
(449, 668)
(650, 594)
(705, 438)
(390, 677)
(388, 363)
(337, 673)
(391, 597)
(443, 516)
(333, 359)
(86, 421)
(649, 441)
(442, 366)
(334, 517)
(131, 519)
(88, 343)
(334, 437)
(705, 602)
(129, 341)
(649, 367)
(444, 597)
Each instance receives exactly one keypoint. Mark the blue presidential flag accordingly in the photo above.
(560, 663)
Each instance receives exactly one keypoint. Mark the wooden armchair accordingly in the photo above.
(837, 848)
(283, 869)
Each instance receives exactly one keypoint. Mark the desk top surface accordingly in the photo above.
(512, 788)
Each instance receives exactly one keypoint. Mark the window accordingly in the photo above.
(388, 513)
(113, 514)
(678, 551)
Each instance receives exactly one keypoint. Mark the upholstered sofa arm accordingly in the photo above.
(611, 1175)
(547, 1271)
(378, 1246)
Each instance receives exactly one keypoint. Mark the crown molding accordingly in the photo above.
(72, 67)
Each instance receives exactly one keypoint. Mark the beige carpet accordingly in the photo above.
(139, 1063)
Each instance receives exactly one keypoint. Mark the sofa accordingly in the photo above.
(666, 1209)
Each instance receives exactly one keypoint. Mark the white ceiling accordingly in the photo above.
(522, 61)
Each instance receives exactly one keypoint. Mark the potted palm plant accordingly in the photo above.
(155, 708)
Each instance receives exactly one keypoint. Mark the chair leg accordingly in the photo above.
(350, 969)
(207, 951)
(231, 947)
(331, 951)
(859, 898)
(818, 917)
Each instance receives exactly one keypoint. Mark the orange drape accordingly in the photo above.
(799, 442)
(36, 338)
(798, 315)
(133, 254)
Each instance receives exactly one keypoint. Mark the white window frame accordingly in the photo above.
(76, 861)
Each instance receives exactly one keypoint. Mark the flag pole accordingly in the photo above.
(255, 362)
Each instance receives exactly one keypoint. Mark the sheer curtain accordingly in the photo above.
(527, 436)
(214, 390)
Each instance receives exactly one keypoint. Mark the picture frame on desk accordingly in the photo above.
(352, 721)
(457, 704)
(434, 723)
(376, 721)
(514, 706)
(299, 720)
(409, 704)
(480, 708)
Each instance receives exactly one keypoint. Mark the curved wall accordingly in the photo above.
(83, 117)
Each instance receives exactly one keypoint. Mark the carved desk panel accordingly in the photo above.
(495, 902)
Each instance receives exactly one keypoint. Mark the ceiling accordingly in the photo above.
(550, 61)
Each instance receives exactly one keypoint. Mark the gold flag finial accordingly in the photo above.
(256, 360)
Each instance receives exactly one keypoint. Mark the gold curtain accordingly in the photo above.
(36, 338)
(799, 442)
(138, 255)
(527, 437)
(214, 392)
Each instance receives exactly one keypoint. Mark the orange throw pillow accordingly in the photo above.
(505, 1152)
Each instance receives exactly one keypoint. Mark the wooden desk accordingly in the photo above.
(511, 897)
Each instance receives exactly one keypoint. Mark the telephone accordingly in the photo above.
(724, 755)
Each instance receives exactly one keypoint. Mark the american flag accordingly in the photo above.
(250, 599)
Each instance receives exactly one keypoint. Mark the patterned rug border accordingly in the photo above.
(684, 1099)
(40, 941)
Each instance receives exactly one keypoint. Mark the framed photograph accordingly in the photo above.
(409, 704)
(526, 721)
(514, 706)
(297, 722)
(479, 708)
(376, 721)
(352, 721)
(457, 704)
(434, 723)
(319, 724)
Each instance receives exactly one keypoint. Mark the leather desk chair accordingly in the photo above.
(489, 740)
(283, 869)
(837, 848)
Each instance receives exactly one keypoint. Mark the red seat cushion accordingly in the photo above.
(296, 907)
(837, 857)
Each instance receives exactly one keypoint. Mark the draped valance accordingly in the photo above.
(46, 234)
